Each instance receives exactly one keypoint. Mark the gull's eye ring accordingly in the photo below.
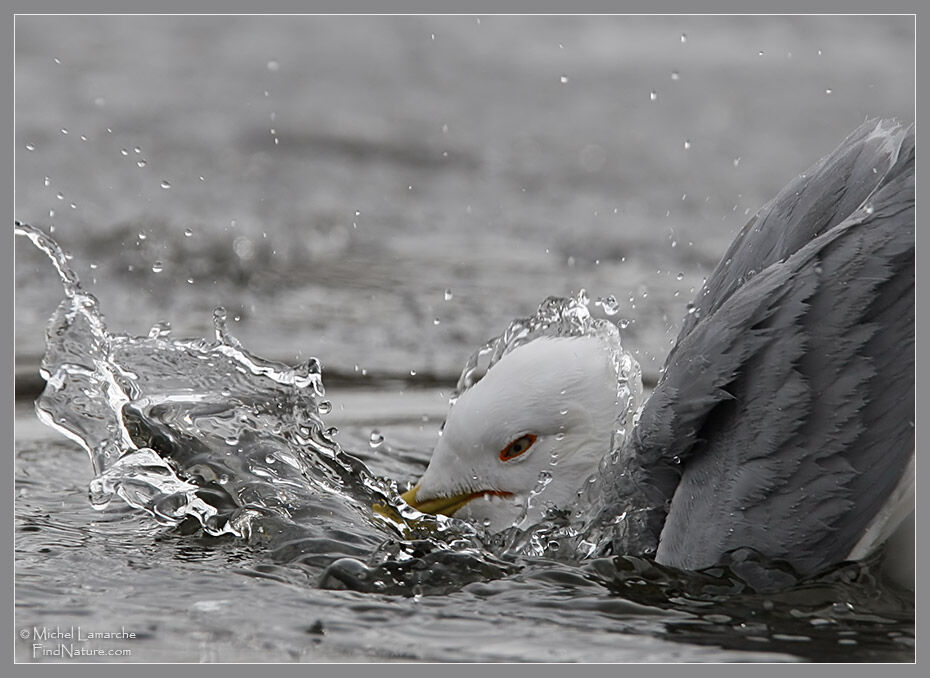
(518, 447)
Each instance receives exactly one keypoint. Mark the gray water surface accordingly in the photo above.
(385, 193)
(193, 599)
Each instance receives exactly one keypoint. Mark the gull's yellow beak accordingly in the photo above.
(410, 496)
(446, 506)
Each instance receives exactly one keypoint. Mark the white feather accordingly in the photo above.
(562, 390)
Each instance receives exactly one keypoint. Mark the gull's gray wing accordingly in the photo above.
(785, 415)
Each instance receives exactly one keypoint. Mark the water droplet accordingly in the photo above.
(413, 373)
(563, 79)
(124, 151)
(60, 196)
(141, 163)
(188, 232)
(610, 304)
(675, 75)
(137, 149)
(30, 147)
(142, 235)
(158, 267)
(436, 321)
(51, 213)
(680, 276)
(375, 439)
(828, 91)
(83, 138)
(447, 295)
(219, 314)
(736, 161)
(48, 182)
(273, 66)
(687, 144)
(325, 407)
(64, 130)
(684, 38)
(653, 95)
(624, 323)
(165, 184)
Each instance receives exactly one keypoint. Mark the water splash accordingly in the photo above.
(163, 420)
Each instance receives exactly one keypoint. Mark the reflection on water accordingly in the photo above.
(253, 498)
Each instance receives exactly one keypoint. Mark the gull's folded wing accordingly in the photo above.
(784, 420)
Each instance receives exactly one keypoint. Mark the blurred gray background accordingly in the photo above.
(386, 193)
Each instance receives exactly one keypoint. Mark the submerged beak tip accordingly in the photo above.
(410, 496)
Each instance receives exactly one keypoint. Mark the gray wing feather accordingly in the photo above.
(811, 204)
(784, 418)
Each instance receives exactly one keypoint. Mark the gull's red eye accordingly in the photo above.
(518, 447)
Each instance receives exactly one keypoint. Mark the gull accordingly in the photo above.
(784, 418)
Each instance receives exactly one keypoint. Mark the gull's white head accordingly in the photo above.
(546, 412)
